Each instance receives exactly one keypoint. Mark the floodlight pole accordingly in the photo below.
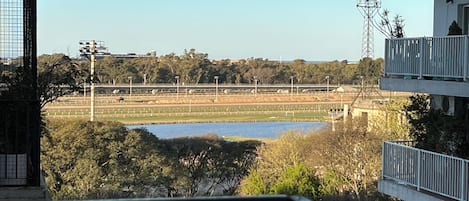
(177, 86)
(93, 58)
(291, 81)
(216, 87)
(90, 48)
(255, 85)
(327, 86)
(130, 86)
(84, 89)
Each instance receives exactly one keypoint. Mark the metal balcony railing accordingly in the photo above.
(429, 171)
(13, 169)
(436, 58)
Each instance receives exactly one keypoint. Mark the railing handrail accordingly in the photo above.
(442, 57)
(428, 37)
(399, 143)
(416, 167)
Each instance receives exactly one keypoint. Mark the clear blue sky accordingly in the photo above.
(273, 29)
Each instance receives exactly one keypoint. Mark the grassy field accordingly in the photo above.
(222, 117)
(200, 108)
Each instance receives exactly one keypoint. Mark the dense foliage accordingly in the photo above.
(89, 160)
(284, 168)
(454, 29)
(433, 130)
(344, 164)
(57, 75)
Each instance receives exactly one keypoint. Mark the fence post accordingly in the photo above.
(383, 151)
(421, 41)
(463, 178)
(419, 155)
(466, 46)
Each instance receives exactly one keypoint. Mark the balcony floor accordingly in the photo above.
(446, 88)
(403, 192)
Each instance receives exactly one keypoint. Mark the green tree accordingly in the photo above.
(254, 184)
(262, 69)
(351, 158)
(299, 70)
(298, 180)
(89, 160)
(433, 130)
(282, 169)
(391, 122)
(193, 66)
(391, 29)
(207, 160)
(168, 68)
(57, 76)
(370, 69)
(454, 29)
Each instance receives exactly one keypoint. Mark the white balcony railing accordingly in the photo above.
(437, 58)
(429, 171)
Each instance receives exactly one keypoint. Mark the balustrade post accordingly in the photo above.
(383, 151)
(421, 41)
(466, 55)
(463, 178)
(419, 155)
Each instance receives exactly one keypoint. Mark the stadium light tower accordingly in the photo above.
(368, 9)
(89, 49)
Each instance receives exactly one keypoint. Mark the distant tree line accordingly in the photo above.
(194, 68)
(59, 74)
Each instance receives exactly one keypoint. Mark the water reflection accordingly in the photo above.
(243, 129)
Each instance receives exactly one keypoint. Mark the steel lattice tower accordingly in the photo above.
(368, 8)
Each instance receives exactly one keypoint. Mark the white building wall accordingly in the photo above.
(445, 14)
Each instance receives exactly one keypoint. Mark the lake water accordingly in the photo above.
(244, 129)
